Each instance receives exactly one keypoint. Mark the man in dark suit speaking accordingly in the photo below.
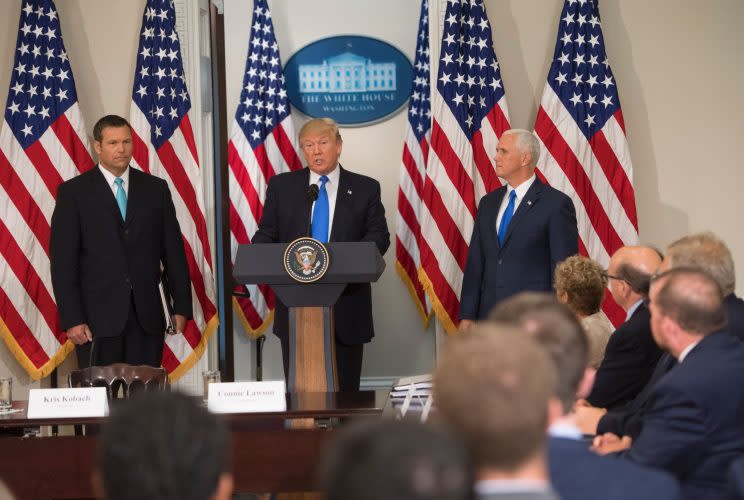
(348, 208)
(112, 227)
(522, 230)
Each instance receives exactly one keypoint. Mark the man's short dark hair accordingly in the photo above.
(394, 459)
(692, 299)
(557, 330)
(162, 445)
(114, 121)
(636, 279)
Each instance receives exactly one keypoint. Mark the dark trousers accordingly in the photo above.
(132, 346)
(348, 364)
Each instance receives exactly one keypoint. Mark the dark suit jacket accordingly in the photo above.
(579, 474)
(692, 425)
(629, 361)
(627, 421)
(98, 260)
(358, 216)
(735, 310)
(542, 233)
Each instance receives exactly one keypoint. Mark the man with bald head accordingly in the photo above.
(522, 231)
(692, 425)
(631, 353)
(702, 251)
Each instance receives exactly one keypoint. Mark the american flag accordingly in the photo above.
(584, 150)
(469, 115)
(42, 143)
(164, 145)
(413, 170)
(262, 144)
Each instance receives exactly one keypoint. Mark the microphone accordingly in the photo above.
(311, 195)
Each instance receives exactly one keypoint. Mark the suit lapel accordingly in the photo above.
(105, 195)
(300, 219)
(134, 194)
(530, 199)
(343, 205)
(491, 222)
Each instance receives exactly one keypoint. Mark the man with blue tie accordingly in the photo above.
(521, 231)
(348, 208)
(112, 229)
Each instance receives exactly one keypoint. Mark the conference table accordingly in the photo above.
(268, 453)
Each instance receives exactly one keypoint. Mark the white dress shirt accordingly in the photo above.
(331, 189)
(521, 191)
(111, 179)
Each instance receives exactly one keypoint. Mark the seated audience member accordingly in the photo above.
(735, 490)
(692, 424)
(580, 284)
(576, 472)
(163, 446)
(491, 388)
(395, 460)
(707, 252)
(631, 354)
(702, 251)
(5, 493)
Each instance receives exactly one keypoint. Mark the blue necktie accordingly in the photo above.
(121, 197)
(507, 217)
(320, 213)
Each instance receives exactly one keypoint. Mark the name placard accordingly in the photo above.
(247, 397)
(68, 402)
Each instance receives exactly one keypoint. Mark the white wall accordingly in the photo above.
(401, 345)
(677, 65)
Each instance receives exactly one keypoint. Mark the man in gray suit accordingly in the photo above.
(492, 387)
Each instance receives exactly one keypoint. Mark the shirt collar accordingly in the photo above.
(522, 188)
(332, 177)
(686, 351)
(633, 309)
(110, 178)
(489, 486)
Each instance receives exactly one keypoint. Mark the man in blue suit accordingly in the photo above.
(704, 251)
(522, 230)
(692, 423)
(575, 472)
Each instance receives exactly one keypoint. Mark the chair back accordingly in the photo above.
(128, 378)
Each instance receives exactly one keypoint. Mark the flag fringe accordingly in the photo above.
(189, 362)
(439, 310)
(20, 355)
(412, 290)
(253, 333)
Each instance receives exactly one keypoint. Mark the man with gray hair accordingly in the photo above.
(522, 230)
(707, 252)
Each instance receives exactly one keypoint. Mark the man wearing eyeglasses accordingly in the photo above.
(631, 353)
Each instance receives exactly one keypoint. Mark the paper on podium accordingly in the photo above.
(419, 385)
(415, 393)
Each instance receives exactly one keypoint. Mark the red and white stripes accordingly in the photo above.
(28, 188)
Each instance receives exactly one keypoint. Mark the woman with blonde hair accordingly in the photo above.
(580, 283)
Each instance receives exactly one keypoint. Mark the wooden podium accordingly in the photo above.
(312, 366)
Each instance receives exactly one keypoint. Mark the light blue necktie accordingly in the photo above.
(121, 197)
(507, 217)
(320, 213)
